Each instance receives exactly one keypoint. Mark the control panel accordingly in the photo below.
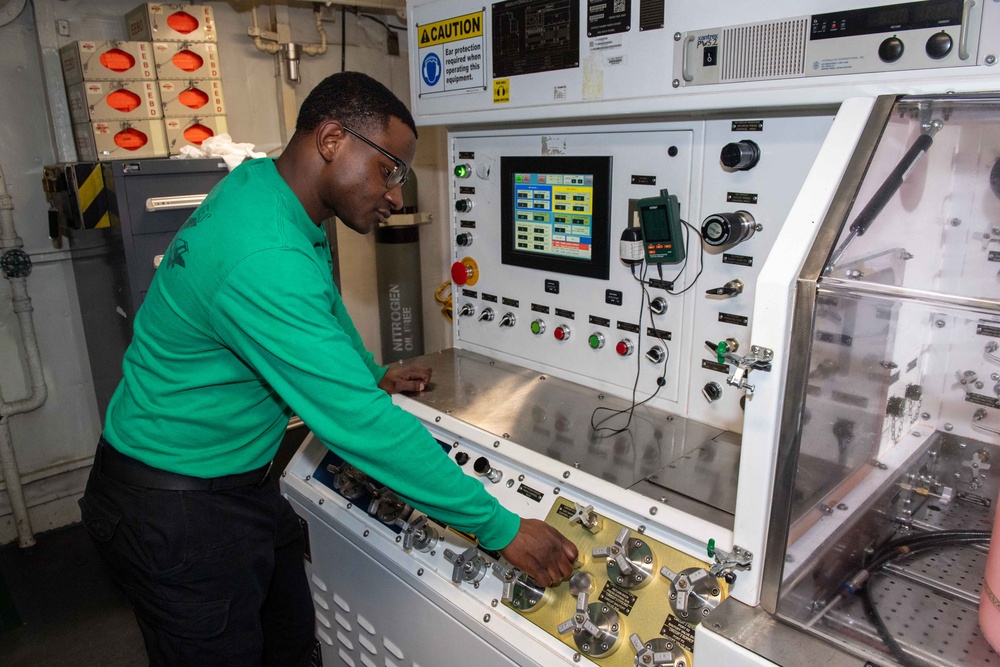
(637, 593)
(555, 269)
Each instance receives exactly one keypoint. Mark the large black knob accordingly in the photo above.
(740, 155)
(891, 49)
(463, 205)
(939, 45)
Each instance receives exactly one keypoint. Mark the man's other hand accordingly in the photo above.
(399, 378)
(541, 552)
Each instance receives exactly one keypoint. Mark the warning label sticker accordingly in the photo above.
(451, 55)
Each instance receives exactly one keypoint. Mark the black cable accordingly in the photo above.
(660, 381)
(385, 25)
(701, 257)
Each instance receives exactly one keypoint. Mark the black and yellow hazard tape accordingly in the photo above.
(91, 195)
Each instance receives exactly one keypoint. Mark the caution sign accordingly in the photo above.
(452, 55)
(501, 91)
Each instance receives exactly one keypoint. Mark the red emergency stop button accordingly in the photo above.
(465, 272)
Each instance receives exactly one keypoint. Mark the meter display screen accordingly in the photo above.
(555, 213)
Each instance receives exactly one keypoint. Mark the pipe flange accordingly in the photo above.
(16, 264)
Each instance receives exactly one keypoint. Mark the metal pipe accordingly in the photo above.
(10, 247)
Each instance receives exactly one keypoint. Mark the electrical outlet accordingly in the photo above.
(62, 27)
(392, 43)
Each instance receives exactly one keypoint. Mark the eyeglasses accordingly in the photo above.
(399, 173)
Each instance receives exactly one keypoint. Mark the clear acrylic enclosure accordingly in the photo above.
(890, 471)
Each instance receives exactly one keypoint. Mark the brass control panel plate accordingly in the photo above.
(644, 610)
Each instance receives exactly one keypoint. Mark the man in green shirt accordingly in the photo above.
(241, 328)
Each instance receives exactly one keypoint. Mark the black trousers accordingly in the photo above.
(215, 577)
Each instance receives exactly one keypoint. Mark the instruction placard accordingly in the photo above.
(451, 55)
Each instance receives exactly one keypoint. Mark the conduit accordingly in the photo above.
(16, 266)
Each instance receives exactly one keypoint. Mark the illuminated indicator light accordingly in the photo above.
(131, 139)
(538, 327)
(187, 60)
(624, 348)
(123, 100)
(561, 332)
(462, 171)
(117, 60)
(596, 341)
(193, 98)
(182, 22)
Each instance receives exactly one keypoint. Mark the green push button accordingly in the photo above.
(463, 171)
(596, 341)
(537, 327)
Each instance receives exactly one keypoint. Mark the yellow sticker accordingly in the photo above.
(501, 91)
(451, 30)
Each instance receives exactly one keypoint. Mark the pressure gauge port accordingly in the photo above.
(464, 205)
(740, 155)
(721, 229)
(482, 467)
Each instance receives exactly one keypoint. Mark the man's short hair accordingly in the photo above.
(354, 99)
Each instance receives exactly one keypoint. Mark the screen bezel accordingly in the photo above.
(598, 266)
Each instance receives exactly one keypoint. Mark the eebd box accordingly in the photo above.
(106, 61)
(186, 60)
(113, 100)
(169, 22)
(120, 140)
(192, 131)
(192, 98)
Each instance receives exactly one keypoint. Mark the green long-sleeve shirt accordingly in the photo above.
(243, 327)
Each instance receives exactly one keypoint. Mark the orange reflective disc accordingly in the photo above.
(117, 60)
(189, 61)
(131, 139)
(123, 100)
(182, 22)
(193, 98)
(197, 133)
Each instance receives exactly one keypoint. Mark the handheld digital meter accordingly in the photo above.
(662, 234)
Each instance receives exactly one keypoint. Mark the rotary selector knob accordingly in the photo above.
(939, 45)
(712, 391)
(464, 205)
(732, 288)
(658, 305)
(740, 155)
(519, 591)
(655, 354)
(630, 560)
(467, 310)
(721, 229)
(596, 627)
(487, 315)
(482, 467)
(467, 566)
(561, 332)
(891, 49)
(464, 239)
(417, 533)
(586, 517)
(657, 652)
(508, 320)
(694, 593)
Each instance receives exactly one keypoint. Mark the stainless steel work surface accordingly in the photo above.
(659, 455)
